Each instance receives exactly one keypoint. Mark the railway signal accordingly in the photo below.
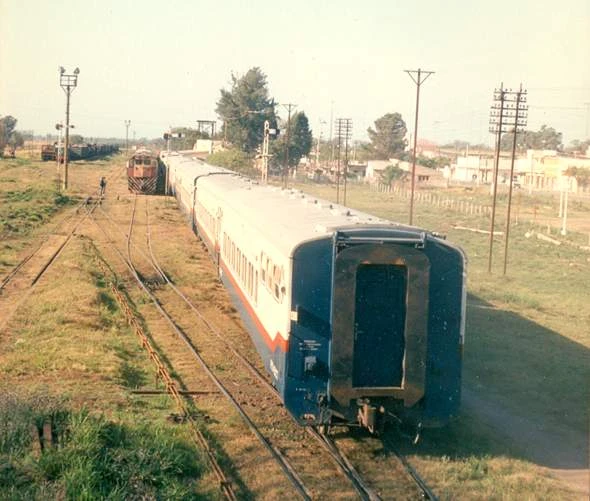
(68, 82)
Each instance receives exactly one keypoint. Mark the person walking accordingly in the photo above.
(103, 185)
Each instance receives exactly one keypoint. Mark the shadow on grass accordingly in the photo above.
(525, 394)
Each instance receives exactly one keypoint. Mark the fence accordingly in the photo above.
(436, 200)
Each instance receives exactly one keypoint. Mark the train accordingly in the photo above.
(78, 151)
(359, 321)
(143, 172)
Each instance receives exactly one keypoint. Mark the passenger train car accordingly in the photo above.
(359, 320)
(142, 172)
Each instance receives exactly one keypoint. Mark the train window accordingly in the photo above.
(263, 264)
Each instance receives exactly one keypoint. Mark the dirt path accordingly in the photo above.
(563, 452)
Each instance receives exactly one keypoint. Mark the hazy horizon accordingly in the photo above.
(164, 64)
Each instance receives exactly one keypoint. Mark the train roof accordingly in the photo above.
(144, 152)
(288, 217)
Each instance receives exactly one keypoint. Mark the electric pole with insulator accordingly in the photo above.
(68, 83)
(507, 114)
(419, 78)
(344, 134)
(517, 112)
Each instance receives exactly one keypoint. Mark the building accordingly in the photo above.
(539, 170)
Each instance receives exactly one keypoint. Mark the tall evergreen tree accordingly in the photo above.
(244, 108)
(300, 141)
(388, 139)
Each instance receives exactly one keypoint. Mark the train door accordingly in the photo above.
(379, 318)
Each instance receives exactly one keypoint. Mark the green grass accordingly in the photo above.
(94, 458)
(24, 210)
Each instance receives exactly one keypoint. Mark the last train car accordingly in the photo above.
(142, 172)
(358, 320)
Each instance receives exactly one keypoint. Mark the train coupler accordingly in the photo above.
(371, 416)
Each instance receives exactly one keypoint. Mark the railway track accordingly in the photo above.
(246, 404)
(330, 447)
(343, 465)
(343, 462)
(20, 282)
(61, 229)
(147, 288)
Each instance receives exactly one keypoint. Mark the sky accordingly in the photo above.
(163, 63)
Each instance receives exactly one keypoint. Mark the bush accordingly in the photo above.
(94, 458)
(232, 159)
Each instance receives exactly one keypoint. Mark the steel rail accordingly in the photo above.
(170, 385)
(427, 493)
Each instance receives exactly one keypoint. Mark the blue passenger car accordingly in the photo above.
(358, 320)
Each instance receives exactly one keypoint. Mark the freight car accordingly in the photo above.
(79, 151)
(358, 320)
(142, 172)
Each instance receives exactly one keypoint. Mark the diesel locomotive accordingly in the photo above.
(142, 172)
(359, 320)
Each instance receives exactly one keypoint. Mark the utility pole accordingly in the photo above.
(331, 142)
(517, 111)
(344, 132)
(507, 114)
(288, 106)
(419, 79)
(496, 117)
(127, 124)
(68, 83)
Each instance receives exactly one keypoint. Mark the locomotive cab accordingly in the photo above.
(142, 172)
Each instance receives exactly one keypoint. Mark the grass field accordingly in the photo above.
(526, 360)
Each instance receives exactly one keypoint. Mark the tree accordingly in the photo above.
(233, 159)
(300, 141)
(76, 139)
(7, 126)
(16, 140)
(389, 137)
(189, 137)
(546, 138)
(391, 174)
(244, 109)
(578, 146)
(581, 174)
